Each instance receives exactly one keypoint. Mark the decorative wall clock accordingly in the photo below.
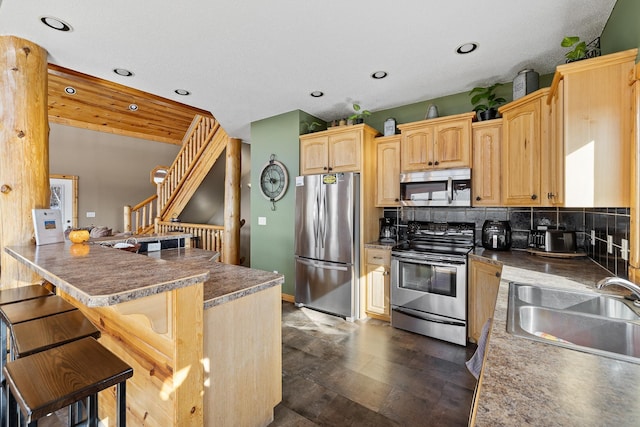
(274, 180)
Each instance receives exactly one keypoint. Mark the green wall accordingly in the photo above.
(622, 31)
(272, 244)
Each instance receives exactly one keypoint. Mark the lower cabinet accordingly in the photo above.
(484, 282)
(378, 287)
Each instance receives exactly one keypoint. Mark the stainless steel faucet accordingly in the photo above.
(635, 289)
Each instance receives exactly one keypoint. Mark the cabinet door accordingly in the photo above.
(345, 152)
(484, 283)
(486, 164)
(417, 149)
(521, 155)
(388, 173)
(378, 288)
(314, 156)
(553, 153)
(452, 145)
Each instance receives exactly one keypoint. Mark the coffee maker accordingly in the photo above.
(387, 230)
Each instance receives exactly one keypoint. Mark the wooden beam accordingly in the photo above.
(24, 144)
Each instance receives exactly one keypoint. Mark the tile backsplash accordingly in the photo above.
(603, 222)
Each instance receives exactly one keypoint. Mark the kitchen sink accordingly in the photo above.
(582, 321)
(581, 302)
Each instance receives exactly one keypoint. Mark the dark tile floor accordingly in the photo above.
(366, 373)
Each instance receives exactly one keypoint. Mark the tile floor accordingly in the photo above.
(366, 373)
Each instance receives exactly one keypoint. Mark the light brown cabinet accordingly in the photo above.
(378, 270)
(484, 283)
(334, 150)
(388, 171)
(436, 143)
(525, 150)
(591, 100)
(486, 174)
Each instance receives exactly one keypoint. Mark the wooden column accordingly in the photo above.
(233, 170)
(24, 149)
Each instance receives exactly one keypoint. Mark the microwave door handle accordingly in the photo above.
(450, 190)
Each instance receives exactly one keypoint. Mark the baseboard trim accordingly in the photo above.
(288, 298)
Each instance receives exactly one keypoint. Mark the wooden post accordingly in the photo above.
(233, 170)
(24, 149)
(634, 232)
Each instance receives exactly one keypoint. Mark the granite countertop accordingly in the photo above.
(532, 383)
(226, 282)
(105, 276)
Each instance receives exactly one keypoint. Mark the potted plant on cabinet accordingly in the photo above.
(485, 101)
(581, 50)
(359, 114)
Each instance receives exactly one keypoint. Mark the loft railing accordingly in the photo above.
(140, 218)
(208, 237)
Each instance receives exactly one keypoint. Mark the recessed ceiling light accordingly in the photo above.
(463, 49)
(122, 72)
(70, 90)
(133, 107)
(317, 93)
(182, 92)
(55, 23)
(379, 75)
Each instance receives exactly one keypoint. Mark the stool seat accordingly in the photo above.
(56, 378)
(48, 332)
(34, 309)
(22, 293)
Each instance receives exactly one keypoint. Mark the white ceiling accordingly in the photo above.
(248, 60)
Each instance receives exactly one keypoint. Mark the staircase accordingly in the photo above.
(202, 145)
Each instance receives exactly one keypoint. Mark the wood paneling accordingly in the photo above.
(103, 106)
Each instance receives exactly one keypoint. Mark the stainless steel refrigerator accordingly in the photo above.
(326, 249)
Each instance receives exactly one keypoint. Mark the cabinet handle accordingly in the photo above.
(478, 198)
(377, 257)
(436, 163)
(325, 168)
(533, 197)
(550, 195)
(397, 200)
(497, 275)
(330, 168)
(430, 163)
(385, 273)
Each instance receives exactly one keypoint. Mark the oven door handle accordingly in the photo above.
(426, 317)
(435, 262)
(450, 188)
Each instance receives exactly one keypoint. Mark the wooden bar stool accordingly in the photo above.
(53, 379)
(48, 332)
(12, 296)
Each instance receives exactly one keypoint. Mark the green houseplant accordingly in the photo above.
(359, 114)
(485, 101)
(579, 50)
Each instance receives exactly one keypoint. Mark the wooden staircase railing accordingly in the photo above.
(208, 237)
(202, 145)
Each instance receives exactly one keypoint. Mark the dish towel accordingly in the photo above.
(474, 365)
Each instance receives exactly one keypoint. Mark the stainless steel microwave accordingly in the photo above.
(446, 187)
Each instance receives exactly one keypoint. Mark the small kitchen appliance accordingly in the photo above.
(496, 235)
(388, 232)
(553, 240)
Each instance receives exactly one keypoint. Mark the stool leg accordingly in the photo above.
(92, 410)
(12, 408)
(3, 356)
(121, 397)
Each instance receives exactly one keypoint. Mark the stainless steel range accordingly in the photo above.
(429, 280)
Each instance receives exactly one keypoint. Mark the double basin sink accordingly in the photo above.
(588, 322)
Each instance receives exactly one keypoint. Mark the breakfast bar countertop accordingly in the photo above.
(103, 276)
(526, 382)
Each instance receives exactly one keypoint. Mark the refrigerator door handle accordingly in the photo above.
(322, 265)
(326, 215)
(316, 219)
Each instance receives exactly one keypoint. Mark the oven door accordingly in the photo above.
(430, 285)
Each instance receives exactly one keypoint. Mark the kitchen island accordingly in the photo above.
(525, 382)
(193, 366)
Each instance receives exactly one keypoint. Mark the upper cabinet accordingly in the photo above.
(525, 134)
(388, 171)
(487, 141)
(334, 150)
(592, 102)
(437, 143)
